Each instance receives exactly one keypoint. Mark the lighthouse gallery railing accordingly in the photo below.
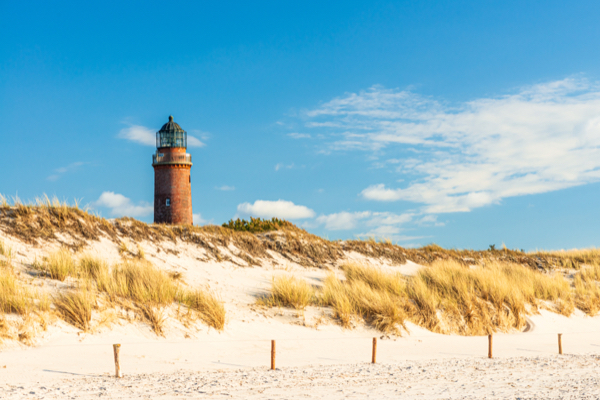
(171, 158)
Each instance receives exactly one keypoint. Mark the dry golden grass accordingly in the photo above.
(587, 290)
(90, 267)
(382, 309)
(140, 252)
(375, 278)
(58, 265)
(574, 258)
(288, 291)
(150, 290)
(14, 297)
(208, 306)
(76, 307)
(445, 297)
(6, 256)
(141, 283)
(155, 317)
(335, 295)
(480, 300)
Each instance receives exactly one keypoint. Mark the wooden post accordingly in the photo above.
(272, 354)
(374, 355)
(560, 343)
(489, 346)
(116, 348)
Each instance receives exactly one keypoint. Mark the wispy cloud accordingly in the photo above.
(343, 220)
(63, 170)
(225, 188)
(283, 166)
(198, 220)
(296, 135)
(541, 138)
(147, 137)
(279, 209)
(120, 205)
(373, 224)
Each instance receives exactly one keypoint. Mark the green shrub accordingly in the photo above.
(257, 225)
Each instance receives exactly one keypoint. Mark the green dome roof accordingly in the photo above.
(171, 127)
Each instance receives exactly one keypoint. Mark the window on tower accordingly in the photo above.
(168, 202)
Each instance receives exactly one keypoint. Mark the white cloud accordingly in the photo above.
(343, 220)
(279, 209)
(295, 135)
(63, 170)
(541, 138)
(139, 134)
(197, 218)
(380, 193)
(194, 142)
(281, 165)
(378, 224)
(120, 205)
(428, 220)
(225, 188)
(146, 136)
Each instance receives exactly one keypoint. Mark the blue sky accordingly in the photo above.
(464, 123)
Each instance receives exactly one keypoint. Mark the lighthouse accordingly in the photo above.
(172, 179)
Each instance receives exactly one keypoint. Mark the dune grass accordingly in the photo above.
(76, 307)
(357, 298)
(148, 290)
(208, 306)
(288, 291)
(7, 255)
(58, 265)
(14, 297)
(587, 289)
(140, 282)
(91, 268)
(480, 300)
(445, 297)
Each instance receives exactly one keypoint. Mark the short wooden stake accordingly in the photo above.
(272, 354)
(489, 346)
(374, 355)
(560, 343)
(116, 348)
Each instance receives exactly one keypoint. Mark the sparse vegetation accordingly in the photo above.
(76, 307)
(7, 255)
(462, 291)
(92, 268)
(58, 265)
(446, 297)
(383, 310)
(14, 297)
(208, 306)
(288, 291)
(138, 284)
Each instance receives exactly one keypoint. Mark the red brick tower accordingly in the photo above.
(172, 179)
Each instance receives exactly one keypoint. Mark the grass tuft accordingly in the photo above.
(76, 307)
(58, 265)
(155, 317)
(288, 291)
(14, 298)
(208, 306)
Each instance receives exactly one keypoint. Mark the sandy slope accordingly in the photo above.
(315, 356)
